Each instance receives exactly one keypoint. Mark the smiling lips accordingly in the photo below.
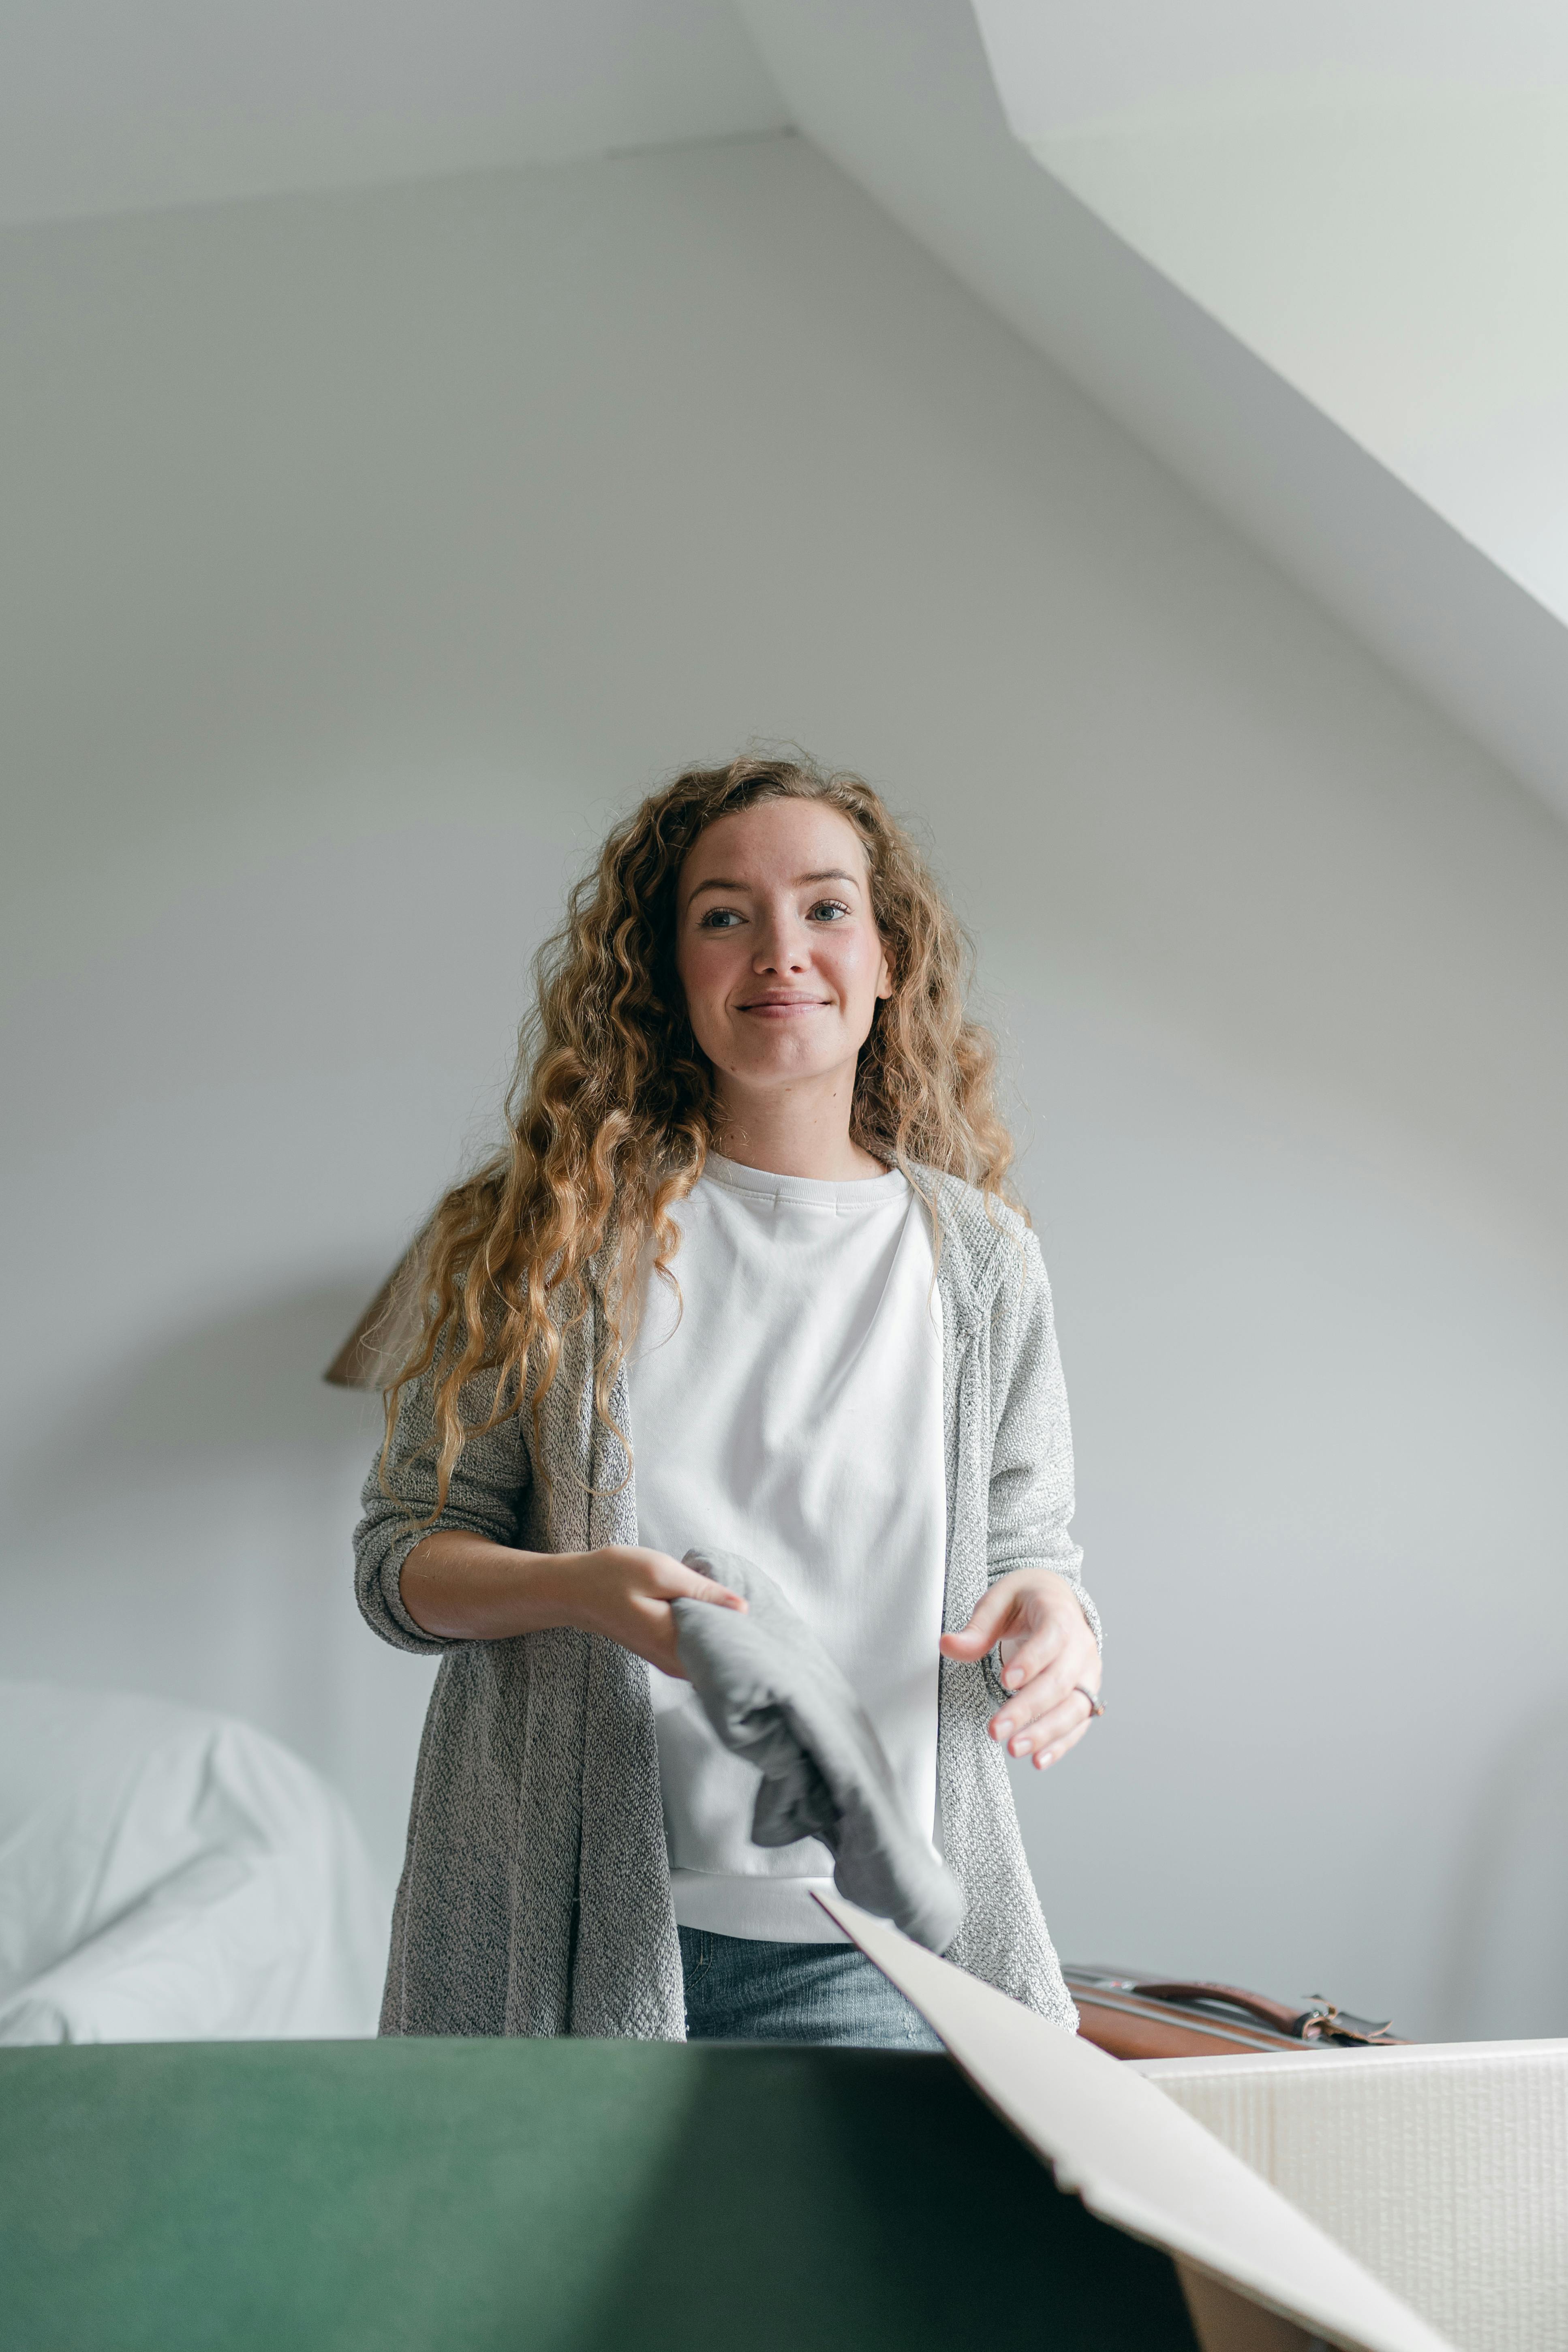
(780, 1002)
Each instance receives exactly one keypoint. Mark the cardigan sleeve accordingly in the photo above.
(490, 1485)
(1031, 1498)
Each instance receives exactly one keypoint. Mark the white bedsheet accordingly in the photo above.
(167, 1875)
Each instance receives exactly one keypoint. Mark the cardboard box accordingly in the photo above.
(553, 2195)
(1443, 2168)
(1382, 2200)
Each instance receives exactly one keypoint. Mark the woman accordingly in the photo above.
(742, 1278)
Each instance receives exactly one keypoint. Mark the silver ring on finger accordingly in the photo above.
(1093, 1697)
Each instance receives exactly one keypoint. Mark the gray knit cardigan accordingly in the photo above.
(535, 1892)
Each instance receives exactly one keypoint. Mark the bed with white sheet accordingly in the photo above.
(170, 1876)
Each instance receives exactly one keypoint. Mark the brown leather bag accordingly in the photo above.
(1134, 2016)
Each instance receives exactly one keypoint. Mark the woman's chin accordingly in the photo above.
(788, 1065)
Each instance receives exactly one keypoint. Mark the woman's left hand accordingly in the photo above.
(1049, 1658)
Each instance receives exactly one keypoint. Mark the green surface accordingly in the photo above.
(560, 2196)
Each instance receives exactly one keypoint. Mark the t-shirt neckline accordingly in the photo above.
(848, 1192)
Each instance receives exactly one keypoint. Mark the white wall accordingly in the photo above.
(365, 551)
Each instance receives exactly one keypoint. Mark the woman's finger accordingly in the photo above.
(1036, 1652)
(1048, 1709)
(1051, 1734)
(1069, 1671)
(693, 1587)
(1044, 1755)
(985, 1627)
(1051, 1730)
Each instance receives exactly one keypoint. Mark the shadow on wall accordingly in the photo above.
(1506, 1975)
(182, 1528)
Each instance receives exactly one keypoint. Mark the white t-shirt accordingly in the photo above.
(789, 1407)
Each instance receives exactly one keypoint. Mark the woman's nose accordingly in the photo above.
(782, 946)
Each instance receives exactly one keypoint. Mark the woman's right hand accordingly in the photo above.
(464, 1588)
(625, 1591)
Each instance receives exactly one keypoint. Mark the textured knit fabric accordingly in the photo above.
(775, 1695)
(788, 1410)
(740, 1988)
(535, 1892)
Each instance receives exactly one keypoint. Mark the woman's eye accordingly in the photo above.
(719, 919)
(830, 910)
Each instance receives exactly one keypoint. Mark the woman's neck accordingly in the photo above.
(784, 1137)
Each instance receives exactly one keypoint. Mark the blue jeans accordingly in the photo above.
(740, 1989)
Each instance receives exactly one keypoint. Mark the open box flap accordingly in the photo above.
(1135, 2158)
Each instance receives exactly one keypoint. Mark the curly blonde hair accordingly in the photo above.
(611, 1108)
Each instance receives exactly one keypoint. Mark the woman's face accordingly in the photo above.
(776, 947)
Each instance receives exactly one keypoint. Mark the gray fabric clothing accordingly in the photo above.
(775, 1697)
(535, 1892)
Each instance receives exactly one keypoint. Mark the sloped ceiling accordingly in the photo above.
(1372, 194)
(105, 108)
(900, 94)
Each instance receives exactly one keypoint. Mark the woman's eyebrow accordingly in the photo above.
(828, 874)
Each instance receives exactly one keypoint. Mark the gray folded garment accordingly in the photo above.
(775, 1697)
